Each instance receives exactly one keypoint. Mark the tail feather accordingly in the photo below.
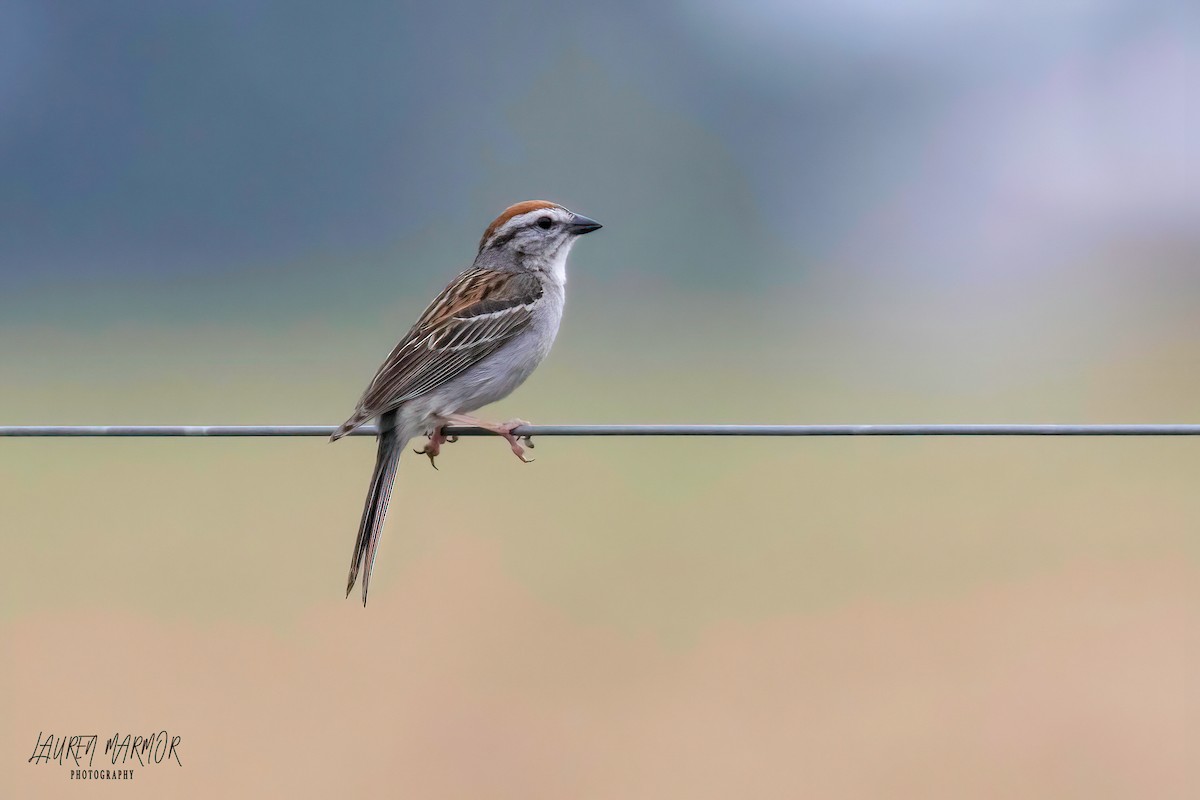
(391, 444)
(360, 416)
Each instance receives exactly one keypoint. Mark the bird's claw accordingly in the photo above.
(506, 430)
(434, 447)
(425, 451)
(518, 451)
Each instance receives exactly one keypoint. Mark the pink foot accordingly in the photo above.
(434, 447)
(506, 429)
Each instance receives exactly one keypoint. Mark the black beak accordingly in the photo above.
(580, 224)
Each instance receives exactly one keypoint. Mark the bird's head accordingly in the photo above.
(535, 234)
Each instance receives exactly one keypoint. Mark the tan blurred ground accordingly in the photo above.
(463, 683)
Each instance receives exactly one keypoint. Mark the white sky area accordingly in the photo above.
(1055, 126)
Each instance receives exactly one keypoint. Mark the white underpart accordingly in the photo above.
(558, 265)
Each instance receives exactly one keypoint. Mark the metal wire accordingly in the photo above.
(622, 430)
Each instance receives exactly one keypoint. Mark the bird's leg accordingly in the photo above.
(504, 429)
(434, 447)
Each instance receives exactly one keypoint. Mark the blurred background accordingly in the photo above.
(227, 212)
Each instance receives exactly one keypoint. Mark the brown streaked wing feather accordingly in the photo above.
(479, 311)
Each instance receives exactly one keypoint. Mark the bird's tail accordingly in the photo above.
(391, 443)
(360, 416)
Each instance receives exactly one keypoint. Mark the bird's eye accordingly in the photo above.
(545, 223)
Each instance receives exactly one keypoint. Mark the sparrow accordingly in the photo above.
(474, 344)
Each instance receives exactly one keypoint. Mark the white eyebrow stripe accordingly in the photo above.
(523, 219)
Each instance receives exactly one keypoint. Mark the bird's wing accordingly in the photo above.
(478, 312)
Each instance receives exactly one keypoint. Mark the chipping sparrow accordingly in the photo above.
(480, 339)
